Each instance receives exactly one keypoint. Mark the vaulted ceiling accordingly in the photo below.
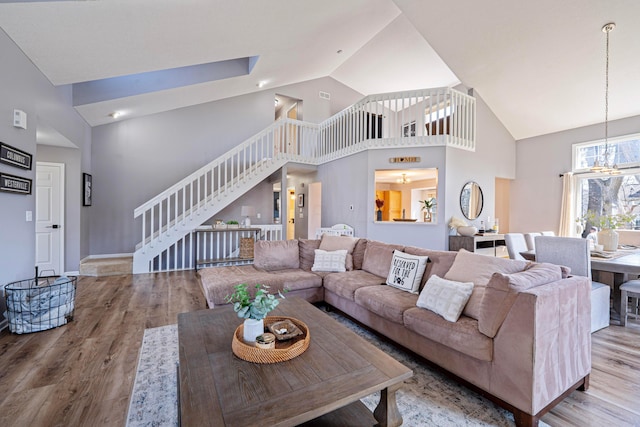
(538, 65)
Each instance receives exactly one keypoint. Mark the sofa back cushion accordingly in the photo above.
(307, 249)
(337, 243)
(438, 264)
(358, 254)
(276, 254)
(471, 267)
(502, 291)
(377, 257)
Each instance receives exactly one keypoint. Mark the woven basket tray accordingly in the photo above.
(285, 350)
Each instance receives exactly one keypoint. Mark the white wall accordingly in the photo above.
(536, 194)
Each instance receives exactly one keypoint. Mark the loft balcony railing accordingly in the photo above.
(428, 117)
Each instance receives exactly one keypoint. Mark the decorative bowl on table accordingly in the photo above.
(467, 230)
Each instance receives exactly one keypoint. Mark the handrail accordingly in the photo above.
(425, 117)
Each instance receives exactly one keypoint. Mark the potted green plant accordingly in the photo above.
(252, 310)
(427, 207)
(233, 224)
(607, 225)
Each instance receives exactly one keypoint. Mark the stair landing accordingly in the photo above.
(107, 266)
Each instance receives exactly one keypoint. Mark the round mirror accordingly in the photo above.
(471, 200)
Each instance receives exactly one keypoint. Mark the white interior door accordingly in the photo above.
(49, 218)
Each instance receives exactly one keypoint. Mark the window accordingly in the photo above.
(600, 196)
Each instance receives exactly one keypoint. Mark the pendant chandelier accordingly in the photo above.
(403, 180)
(603, 165)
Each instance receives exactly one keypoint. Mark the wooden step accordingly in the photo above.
(107, 266)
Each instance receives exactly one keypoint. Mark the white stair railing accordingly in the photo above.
(428, 117)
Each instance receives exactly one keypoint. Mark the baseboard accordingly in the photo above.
(71, 273)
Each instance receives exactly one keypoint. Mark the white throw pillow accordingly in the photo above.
(406, 271)
(445, 297)
(329, 260)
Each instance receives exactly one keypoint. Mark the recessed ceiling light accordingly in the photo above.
(115, 114)
(261, 84)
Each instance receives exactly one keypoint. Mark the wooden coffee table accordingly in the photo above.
(322, 386)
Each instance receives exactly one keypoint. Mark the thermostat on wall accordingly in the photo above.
(19, 119)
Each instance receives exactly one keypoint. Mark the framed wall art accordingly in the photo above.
(14, 184)
(15, 157)
(87, 189)
(301, 200)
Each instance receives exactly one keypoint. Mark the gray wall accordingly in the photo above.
(134, 160)
(536, 194)
(24, 87)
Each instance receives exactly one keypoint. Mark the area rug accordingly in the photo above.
(426, 399)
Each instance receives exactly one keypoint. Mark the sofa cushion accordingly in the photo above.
(445, 297)
(346, 284)
(386, 301)
(358, 254)
(406, 271)
(471, 267)
(462, 336)
(307, 249)
(377, 257)
(276, 254)
(334, 243)
(502, 291)
(439, 262)
(329, 260)
(218, 282)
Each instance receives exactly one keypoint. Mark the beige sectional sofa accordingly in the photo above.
(523, 339)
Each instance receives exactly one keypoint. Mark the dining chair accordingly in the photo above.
(530, 239)
(627, 290)
(573, 252)
(515, 244)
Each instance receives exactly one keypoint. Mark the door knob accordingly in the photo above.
(53, 226)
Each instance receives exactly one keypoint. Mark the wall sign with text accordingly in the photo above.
(15, 157)
(14, 184)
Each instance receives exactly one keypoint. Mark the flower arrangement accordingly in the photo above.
(454, 223)
(428, 204)
(257, 309)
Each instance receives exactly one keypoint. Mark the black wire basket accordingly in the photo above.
(40, 303)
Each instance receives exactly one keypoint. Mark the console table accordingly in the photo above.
(491, 244)
(217, 245)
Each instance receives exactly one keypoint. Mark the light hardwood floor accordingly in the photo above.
(81, 374)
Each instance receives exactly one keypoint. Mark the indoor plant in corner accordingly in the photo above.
(252, 311)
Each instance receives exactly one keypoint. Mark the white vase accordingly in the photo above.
(609, 239)
(251, 329)
(467, 230)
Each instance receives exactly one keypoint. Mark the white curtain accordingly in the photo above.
(568, 225)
